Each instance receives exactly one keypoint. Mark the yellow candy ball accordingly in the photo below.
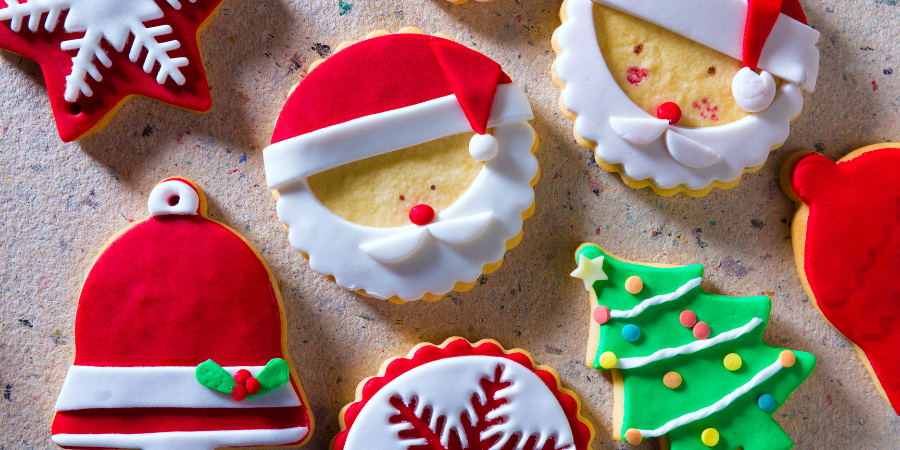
(634, 285)
(709, 437)
(672, 380)
(733, 362)
(608, 360)
(633, 436)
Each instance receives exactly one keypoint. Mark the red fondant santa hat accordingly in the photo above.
(385, 94)
(168, 295)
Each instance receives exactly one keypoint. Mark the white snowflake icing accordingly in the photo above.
(112, 20)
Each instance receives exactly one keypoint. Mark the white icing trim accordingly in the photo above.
(188, 199)
(502, 188)
(447, 387)
(790, 51)
(593, 95)
(656, 300)
(757, 379)
(88, 387)
(693, 347)
(399, 247)
(185, 440)
(294, 159)
(639, 130)
(689, 152)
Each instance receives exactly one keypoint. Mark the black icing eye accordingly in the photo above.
(433, 187)
(402, 197)
(75, 109)
(711, 71)
(173, 200)
(638, 49)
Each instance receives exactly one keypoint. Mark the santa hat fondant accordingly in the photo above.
(387, 93)
(169, 294)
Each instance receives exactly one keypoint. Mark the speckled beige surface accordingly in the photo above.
(61, 202)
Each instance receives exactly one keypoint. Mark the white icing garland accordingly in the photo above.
(757, 379)
(693, 347)
(418, 265)
(447, 386)
(185, 440)
(656, 300)
(723, 152)
(111, 20)
(88, 387)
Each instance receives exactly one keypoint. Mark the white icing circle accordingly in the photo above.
(447, 387)
(173, 197)
(753, 92)
(483, 147)
(591, 93)
(443, 257)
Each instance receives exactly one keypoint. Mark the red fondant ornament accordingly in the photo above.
(846, 236)
(166, 295)
(94, 54)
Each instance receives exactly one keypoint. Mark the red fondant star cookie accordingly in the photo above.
(95, 54)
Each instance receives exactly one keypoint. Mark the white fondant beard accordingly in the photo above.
(696, 157)
(502, 188)
(447, 387)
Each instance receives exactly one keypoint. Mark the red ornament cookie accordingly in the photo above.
(95, 54)
(846, 236)
(180, 340)
(463, 396)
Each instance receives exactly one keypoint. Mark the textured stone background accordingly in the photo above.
(59, 203)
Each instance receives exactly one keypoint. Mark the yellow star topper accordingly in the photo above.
(589, 270)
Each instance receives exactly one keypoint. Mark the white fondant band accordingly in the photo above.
(452, 232)
(185, 440)
(789, 53)
(173, 197)
(88, 387)
(693, 347)
(757, 379)
(656, 300)
(308, 154)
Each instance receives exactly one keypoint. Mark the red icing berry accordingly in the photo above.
(688, 318)
(701, 330)
(421, 214)
(601, 314)
(669, 111)
(238, 392)
(252, 386)
(241, 376)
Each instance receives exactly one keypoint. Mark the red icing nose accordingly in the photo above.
(669, 111)
(421, 214)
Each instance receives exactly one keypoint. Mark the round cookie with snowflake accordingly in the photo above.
(96, 54)
(404, 166)
(464, 396)
(683, 95)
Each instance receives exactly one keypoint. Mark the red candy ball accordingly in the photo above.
(601, 314)
(701, 330)
(241, 376)
(238, 392)
(669, 111)
(688, 318)
(252, 386)
(421, 214)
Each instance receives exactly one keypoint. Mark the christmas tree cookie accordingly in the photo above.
(688, 366)
(463, 396)
(846, 236)
(404, 166)
(96, 54)
(683, 95)
(180, 340)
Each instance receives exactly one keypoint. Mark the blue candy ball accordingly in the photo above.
(631, 332)
(766, 402)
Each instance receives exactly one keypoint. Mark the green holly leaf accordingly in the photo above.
(277, 373)
(214, 377)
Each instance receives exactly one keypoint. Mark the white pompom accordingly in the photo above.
(753, 92)
(483, 147)
(173, 197)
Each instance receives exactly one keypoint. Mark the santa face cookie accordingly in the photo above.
(403, 166)
(687, 366)
(95, 54)
(684, 95)
(846, 236)
(180, 341)
(463, 396)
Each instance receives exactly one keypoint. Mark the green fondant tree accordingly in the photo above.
(728, 383)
